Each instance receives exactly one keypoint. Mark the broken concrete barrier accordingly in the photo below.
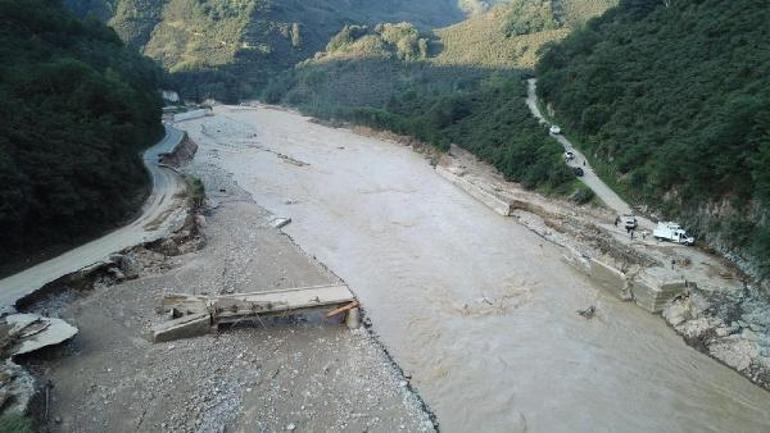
(490, 200)
(652, 289)
(29, 332)
(193, 316)
(190, 326)
(609, 278)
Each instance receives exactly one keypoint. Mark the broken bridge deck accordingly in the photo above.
(195, 315)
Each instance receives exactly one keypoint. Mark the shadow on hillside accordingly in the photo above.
(376, 81)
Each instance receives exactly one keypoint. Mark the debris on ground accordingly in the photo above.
(25, 333)
(281, 222)
(588, 313)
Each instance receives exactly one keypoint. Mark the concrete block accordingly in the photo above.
(652, 293)
(190, 326)
(490, 200)
(609, 278)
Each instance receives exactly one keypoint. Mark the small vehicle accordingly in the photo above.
(555, 130)
(569, 156)
(630, 222)
(578, 171)
(671, 231)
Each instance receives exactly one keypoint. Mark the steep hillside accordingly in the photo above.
(77, 108)
(227, 48)
(674, 101)
(460, 85)
(510, 35)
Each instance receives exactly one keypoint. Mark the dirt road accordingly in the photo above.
(590, 178)
(157, 217)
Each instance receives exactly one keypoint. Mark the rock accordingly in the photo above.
(280, 222)
(128, 265)
(677, 313)
(694, 328)
(18, 386)
(169, 247)
(200, 221)
(588, 313)
(117, 274)
(737, 353)
(7, 310)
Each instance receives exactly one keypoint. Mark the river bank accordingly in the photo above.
(478, 310)
(715, 310)
(301, 375)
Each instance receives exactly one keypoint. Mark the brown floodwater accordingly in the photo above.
(478, 309)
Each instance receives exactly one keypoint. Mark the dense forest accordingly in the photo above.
(673, 100)
(77, 109)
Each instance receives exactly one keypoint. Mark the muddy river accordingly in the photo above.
(479, 310)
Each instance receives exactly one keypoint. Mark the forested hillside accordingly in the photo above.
(673, 98)
(461, 84)
(229, 48)
(77, 109)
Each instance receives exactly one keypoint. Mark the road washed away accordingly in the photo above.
(160, 215)
(480, 311)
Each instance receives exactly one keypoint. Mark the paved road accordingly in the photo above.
(590, 178)
(156, 219)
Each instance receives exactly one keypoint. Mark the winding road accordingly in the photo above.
(589, 178)
(160, 213)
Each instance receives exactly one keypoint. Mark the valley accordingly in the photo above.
(445, 215)
(465, 299)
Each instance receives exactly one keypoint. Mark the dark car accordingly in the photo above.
(578, 171)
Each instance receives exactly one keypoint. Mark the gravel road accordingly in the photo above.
(156, 219)
(590, 178)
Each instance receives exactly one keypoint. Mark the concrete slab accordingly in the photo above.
(490, 200)
(609, 278)
(190, 326)
(199, 314)
(30, 332)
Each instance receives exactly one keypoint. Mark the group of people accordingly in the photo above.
(630, 229)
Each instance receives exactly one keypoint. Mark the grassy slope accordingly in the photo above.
(483, 40)
(675, 103)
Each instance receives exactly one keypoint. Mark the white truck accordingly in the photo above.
(671, 231)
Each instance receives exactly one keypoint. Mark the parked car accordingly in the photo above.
(578, 171)
(630, 222)
(569, 156)
(555, 130)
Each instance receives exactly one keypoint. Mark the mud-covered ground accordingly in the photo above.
(303, 375)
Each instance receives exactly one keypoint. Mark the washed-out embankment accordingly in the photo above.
(179, 235)
(727, 324)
